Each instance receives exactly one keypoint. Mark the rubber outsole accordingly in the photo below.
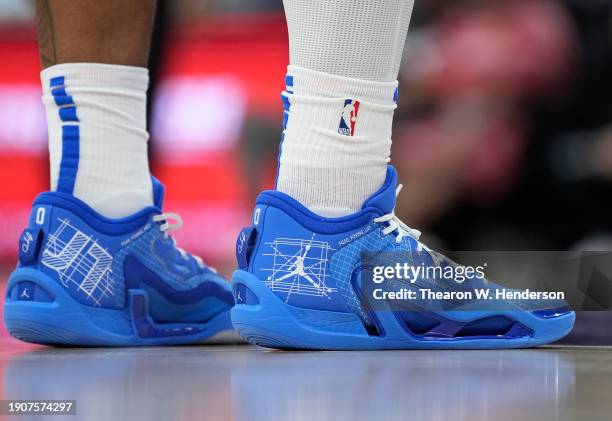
(271, 323)
(63, 321)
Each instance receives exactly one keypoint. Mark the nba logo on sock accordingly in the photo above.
(349, 117)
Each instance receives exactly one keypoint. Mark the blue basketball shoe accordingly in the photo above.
(83, 279)
(300, 278)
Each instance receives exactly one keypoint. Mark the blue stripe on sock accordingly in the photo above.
(57, 81)
(68, 113)
(70, 159)
(289, 83)
(61, 97)
(396, 95)
(69, 164)
(286, 103)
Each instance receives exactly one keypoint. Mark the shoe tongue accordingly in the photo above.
(159, 192)
(384, 198)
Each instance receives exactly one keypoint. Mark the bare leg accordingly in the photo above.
(94, 31)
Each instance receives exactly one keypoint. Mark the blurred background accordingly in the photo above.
(503, 136)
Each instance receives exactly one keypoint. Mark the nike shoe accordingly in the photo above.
(300, 278)
(86, 280)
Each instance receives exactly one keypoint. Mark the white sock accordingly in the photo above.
(340, 99)
(96, 117)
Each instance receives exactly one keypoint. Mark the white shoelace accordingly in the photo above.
(401, 230)
(167, 226)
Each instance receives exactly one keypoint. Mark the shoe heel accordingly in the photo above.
(34, 310)
(256, 314)
(263, 319)
(39, 310)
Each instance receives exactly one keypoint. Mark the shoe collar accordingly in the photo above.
(380, 203)
(109, 226)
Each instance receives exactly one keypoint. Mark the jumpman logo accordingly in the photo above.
(297, 268)
(24, 294)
